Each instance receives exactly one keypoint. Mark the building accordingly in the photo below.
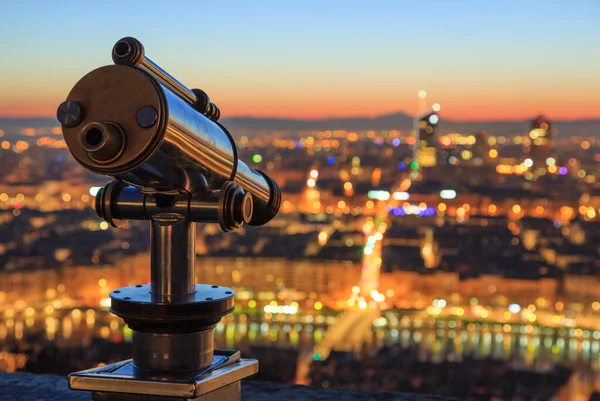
(540, 142)
(427, 150)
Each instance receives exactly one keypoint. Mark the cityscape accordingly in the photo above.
(438, 226)
(420, 260)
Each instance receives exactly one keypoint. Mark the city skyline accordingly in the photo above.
(480, 61)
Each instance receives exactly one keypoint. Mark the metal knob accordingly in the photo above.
(235, 207)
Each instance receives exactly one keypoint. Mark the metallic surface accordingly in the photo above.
(230, 206)
(146, 116)
(121, 377)
(204, 308)
(116, 93)
(194, 143)
(167, 80)
(173, 352)
(194, 151)
(230, 392)
(182, 151)
(103, 141)
(69, 113)
(235, 207)
(129, 51)
(172, 257)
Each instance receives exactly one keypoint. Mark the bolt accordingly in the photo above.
(146, 116)
(69, 113)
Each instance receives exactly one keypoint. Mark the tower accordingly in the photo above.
(541, 140)
(427, 152)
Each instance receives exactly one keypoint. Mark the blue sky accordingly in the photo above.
(318, 58)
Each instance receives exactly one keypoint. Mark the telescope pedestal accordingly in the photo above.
(122, 382)
(172, 318)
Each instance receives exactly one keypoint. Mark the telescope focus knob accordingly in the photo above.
(235, 207)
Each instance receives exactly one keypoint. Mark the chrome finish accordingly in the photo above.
(121, 379)
(229, 206)
(145, 128)
(167, 80)
(195, 138)
(130, 51)
(169, 145)
(128, 202)
(195, 154)
(172, 257)
(172, 352)
(251, 181)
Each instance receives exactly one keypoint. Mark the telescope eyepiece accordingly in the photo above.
(103, 142)
(128, 51)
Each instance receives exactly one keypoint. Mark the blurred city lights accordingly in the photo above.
(447, 194)
(514, 308)
(401, 195)
(379, 195)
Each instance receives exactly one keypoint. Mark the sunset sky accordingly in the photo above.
(314, 59)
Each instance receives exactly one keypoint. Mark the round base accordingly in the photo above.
(203, 309)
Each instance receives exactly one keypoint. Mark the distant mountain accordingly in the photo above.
(403, 122)
(399, 121)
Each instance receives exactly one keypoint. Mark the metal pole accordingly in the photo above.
(172, 257)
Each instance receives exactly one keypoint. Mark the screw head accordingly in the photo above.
(146, 116)
(69, 113)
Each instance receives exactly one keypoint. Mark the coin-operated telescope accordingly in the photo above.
(175, 165)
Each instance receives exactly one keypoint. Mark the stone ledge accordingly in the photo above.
(32, 387)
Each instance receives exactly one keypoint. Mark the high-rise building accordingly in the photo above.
(481, 148)
(540, 141)
(428, 144)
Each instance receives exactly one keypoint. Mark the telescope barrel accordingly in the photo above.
(135, 122)
(130, 51)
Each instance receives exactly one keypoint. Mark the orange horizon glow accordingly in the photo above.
(280, 110)
(314, 60)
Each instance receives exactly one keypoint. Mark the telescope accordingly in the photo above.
(175, 165)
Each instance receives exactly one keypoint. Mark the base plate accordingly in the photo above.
(122, 377)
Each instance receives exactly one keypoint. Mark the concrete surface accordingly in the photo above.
(32, 387)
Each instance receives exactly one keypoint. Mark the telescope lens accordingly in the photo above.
(122, 48)
(128, 51)
(93, 137)
(103, 142)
